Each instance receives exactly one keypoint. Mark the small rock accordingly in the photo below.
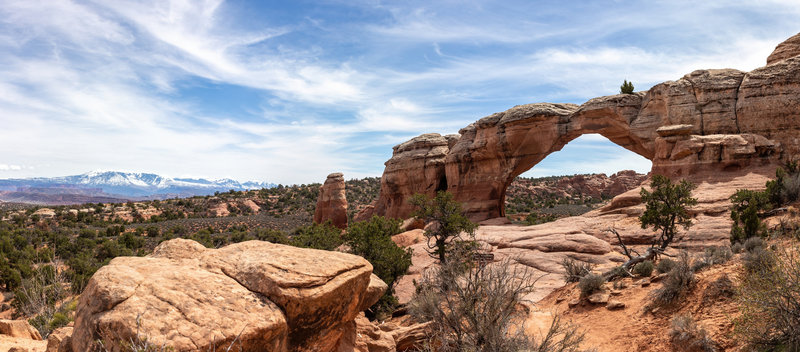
(654, 310)
(658, 277)
(18, 349)
(599, 298)
(573, 303)
(614, 304)
(616, 292)
(560, 299)
(643, 282)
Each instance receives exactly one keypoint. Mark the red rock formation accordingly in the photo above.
(332, 202)
(416, 166)
(788, 49)
(708, 121)
(265, 296)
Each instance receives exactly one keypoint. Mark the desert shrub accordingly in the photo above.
(38, 297)
(758, 260)
(722, 287)
(737, 247)
(769, 300)
(372, 240)
(476, 308)
(687, 336)
(644, 269)
(678, 282)
(590, 284)
(618, 272)
(753, 243)
(664, 265)
(318, 236)
(574, 270)
(712, 256)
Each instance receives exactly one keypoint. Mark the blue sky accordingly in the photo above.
(289, 91)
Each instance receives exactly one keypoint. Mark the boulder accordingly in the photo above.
(19, 328)
(361, 335)
(411, 338)
(332, 202)
(60, 340)
(259, 294)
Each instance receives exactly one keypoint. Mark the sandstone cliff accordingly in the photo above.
(708, 121)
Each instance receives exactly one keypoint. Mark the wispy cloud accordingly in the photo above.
(149, 85)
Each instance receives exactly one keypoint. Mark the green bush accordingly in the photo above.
(318, 236)
(626, 87)
(644, 269)
(372, 240)
(575, 270)
(590, 284)
(447, 221)
(664, 265)
(747, 205)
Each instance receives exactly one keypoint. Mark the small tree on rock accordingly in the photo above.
(447, 222)
(626, 87)
(665, 209)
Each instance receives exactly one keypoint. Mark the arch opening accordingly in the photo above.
(587, 154)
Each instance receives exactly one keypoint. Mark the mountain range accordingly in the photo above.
(113, 186)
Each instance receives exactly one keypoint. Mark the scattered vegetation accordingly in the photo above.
(477, 308)
(749, 206)
(769, 300)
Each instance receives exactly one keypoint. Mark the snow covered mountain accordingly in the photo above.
(127, 185)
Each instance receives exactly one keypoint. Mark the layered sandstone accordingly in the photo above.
(253, 295)
(708, 121)
(332, 202)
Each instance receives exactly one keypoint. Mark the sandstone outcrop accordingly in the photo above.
(332, 202)
(261, 295)
(789, 48)
(708, 121)
(19, 328)
(542, 248)
(416, 166)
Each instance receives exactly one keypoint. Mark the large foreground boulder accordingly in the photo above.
(255, 296)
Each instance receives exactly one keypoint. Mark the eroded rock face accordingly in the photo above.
(708, 121)
(272, 297)
(332, 202)
(416, 166)
(788, 49)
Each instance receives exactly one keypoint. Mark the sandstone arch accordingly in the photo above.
(709, 121)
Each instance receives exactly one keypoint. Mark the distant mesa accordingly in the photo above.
(113, 186)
